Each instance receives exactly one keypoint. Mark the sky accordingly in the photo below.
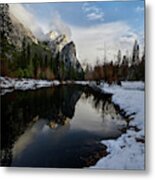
(97, 28)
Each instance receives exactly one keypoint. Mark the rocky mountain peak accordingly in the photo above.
(56, 42)
(52, 35)
(56, 52)
(65, 50)
(68, 56)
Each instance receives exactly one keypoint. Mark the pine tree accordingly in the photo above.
(28, 53)
(119, 57)
(23, 54)
(135, 55)
(46, 61)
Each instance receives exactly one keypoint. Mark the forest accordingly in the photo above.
(22, 55)
(36, 61)
(125, 68)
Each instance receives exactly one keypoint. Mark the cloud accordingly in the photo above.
(128, 38)
(92, 12)
(27, 19)
(95, 16)
(139, 9)
(39, 28)
(58, 25)
(91, 42)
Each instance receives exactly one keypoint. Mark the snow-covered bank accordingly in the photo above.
(128, 151)
(9, 84)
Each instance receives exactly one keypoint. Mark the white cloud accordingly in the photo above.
(128, 38)
(95, 16)
(139, 9)
(92, 12)
(57, 24)
(38, 27)
(27, 19)
(91, 41)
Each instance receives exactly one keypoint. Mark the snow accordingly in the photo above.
(9, 84)
(126, 152)
(137, 85)
(82, 82)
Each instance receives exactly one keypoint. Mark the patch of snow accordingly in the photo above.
(6, 83)
(4, 91)
(9, 84)
(82, 82)
(126, 152)
(135, 85)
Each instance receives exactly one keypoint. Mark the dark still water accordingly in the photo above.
(57, 127)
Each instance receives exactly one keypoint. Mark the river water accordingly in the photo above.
(58, 127)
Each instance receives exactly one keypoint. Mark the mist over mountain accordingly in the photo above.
(24, 55)
(13, 30)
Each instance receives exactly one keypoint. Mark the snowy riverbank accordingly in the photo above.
(10, 84)
(128, 151)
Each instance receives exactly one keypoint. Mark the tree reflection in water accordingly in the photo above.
(21, 110)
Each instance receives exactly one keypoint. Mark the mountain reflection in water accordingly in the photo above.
(57, 127)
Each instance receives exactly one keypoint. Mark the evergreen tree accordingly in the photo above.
(135, 54)
(125, 61)
(46, 61)
(119, 57)
(35, 64)
(23, 54)
(28, 53)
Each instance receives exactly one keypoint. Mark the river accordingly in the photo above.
(59, 127)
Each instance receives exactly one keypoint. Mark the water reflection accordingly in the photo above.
(57, 127)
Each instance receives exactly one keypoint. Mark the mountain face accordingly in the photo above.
(12, 30)
(68, 56)
(23, 55)
(56, 42)
(66, 53)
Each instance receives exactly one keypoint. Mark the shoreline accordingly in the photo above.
(8, 84)
(128, 151)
